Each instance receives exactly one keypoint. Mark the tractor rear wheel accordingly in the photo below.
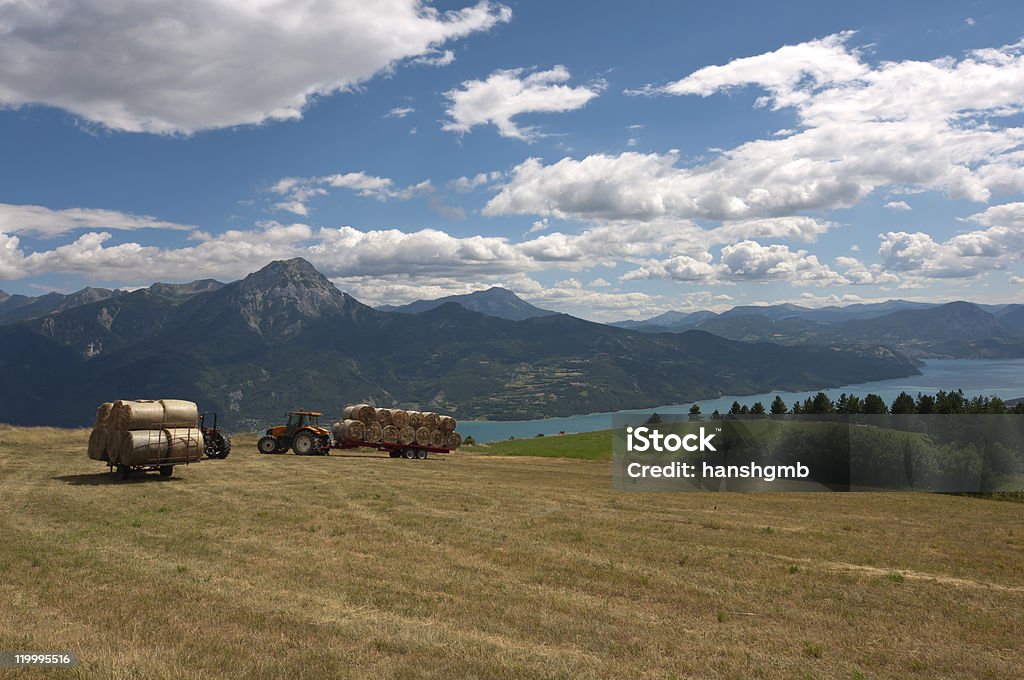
(303, 444)
(267, 444)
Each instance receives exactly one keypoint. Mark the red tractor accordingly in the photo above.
(218, 444)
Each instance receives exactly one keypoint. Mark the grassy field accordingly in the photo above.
(584, 446)
(489, 566)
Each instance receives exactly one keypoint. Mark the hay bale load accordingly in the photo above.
(363, 423)
(147, 433)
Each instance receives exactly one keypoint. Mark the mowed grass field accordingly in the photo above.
(480, 566)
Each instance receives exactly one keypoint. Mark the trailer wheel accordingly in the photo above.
(421, 454)
(395, 454)
(267, 444)
(122, 471)
(409, 454)
(166, 470)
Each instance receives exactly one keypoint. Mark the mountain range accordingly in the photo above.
(495, 301)
(285, 337)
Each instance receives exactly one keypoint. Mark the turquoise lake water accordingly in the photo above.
(1003, 378)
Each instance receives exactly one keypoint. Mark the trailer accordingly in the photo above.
(395, 450)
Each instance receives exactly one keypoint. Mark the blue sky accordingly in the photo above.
(609, 163)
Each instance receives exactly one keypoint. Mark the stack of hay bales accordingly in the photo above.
(364, 423)
(146, 432)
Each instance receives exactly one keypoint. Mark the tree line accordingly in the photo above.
(942, 402)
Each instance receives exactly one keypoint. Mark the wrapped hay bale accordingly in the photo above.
(399, 418)
(415, 419)
(423, 436)
(384, 417)
(103, 414)
(406, 434)
(137, 415)
(351, 430)
(364, 412)
(346, 413)
(454, 441)
(137, 447)
(390, 434)
(184, 444)
(98, 444)
(374, 432)
(180, 412)
(446, 424)
(438, 438)
(431, 420)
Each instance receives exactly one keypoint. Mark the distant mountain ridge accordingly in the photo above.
(285, 337)
(495, 301)
(951, 330)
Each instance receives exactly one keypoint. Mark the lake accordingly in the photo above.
(1003, 378)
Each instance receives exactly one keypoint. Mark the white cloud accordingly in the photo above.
(1017, 280)
(943, 125)
(507, 94)
(965, 255)
(752, 261)
(399, 112)
(185, 65)
(969, 21)
(466, 184)
(298, 190)
(897, 205)
(632, 141)
(36, 220)
(539, 225)
(436, 58)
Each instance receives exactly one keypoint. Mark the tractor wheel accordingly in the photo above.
(304, 444)
(267, 444)
(409, 454)
(166, 470)
(421, 454)
(218, 446)
(225, 447)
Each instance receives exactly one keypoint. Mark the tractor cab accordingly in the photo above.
(301, 433)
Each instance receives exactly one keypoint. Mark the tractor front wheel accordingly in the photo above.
(304, 444)
(267, 444)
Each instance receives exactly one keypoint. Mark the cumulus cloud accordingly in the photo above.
(942, 125)
(298, 190)
(185, 65)
(466, 184)
(964, 255)
(897, 205)
(36, 220)
(507, 94)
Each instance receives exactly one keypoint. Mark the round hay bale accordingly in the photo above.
(365, 413)
(446, 424)
(384, 417)
(142, 447)
(415, 419)
(103, 414)
(184, 444)
(352, 430)
(438, 438)
(406, 434)
(454, 441)
(374, 432)
(431, 420)
(399, 418)
(423, 436)
(180, 412)
(389, 434)
(346, 413)
(138, 415)
(98, 444)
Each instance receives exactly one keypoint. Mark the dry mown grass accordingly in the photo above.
(473, 566)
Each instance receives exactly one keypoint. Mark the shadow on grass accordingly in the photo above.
(102, 478)
(433, 458)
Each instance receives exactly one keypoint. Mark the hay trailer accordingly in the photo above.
(395, 450)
